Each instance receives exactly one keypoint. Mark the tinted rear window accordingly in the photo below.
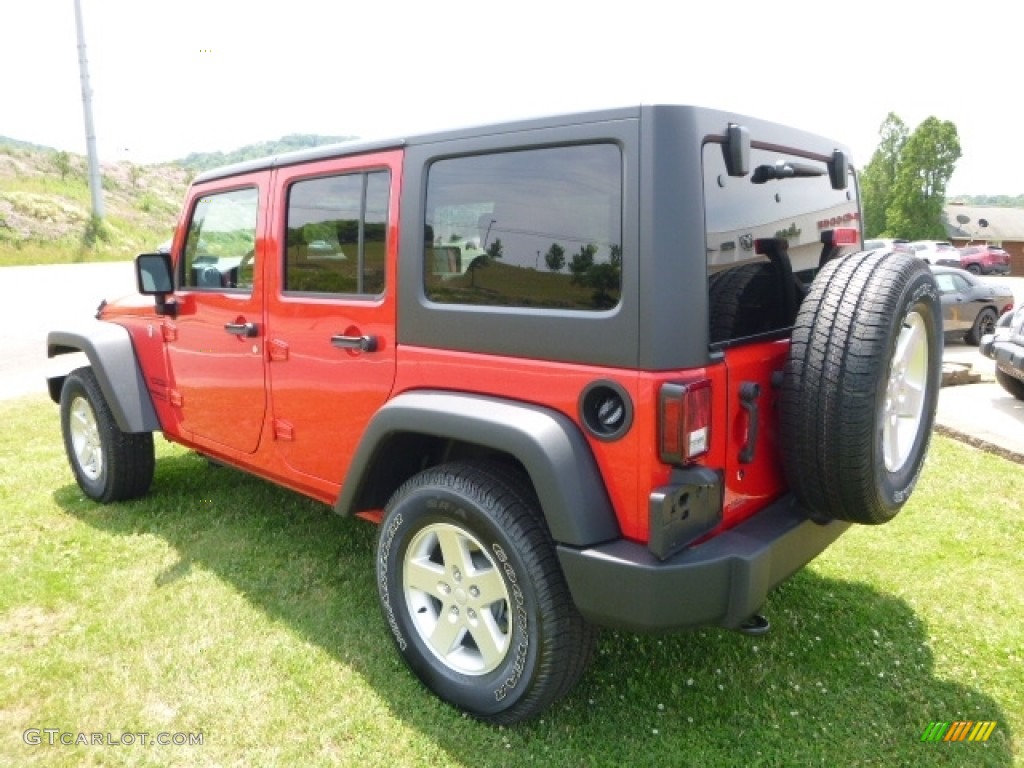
(745, 290)
(538, 228)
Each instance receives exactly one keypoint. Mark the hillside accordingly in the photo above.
(202, 161)
(45, 207)
(45, 203)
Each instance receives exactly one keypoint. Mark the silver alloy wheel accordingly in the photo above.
(905, 393)
(457, 599)
(85, 438)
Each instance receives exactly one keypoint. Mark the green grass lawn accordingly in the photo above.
(224, 606)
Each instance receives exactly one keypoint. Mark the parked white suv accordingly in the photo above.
(933, 250)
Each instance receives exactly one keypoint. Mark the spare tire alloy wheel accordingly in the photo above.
(860, 386)
(470, 588)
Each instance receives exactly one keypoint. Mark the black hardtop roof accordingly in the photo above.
(360, 146)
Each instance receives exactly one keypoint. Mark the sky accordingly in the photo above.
(170, 77)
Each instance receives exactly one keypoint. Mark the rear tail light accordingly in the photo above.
(845, 236)
(684, 421)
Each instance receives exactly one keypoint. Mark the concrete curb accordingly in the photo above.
(982, 445)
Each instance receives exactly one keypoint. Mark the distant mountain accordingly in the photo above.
(1005, 201)
(17, 144)
(202, 161)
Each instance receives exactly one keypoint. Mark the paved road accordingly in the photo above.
(38, 299)
(983, 413)
(34, 301)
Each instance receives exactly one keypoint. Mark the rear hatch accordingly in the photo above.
(764, 244)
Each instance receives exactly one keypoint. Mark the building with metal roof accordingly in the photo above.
(973, 224)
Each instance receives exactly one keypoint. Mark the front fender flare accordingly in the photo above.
(112, 357)
(547, 443)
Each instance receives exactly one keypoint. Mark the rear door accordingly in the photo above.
(331, 342)
(215, 343)
(754, 291)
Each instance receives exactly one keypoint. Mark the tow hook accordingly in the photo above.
(755, 626)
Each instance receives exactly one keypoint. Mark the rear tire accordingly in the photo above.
(860, 386)
(470, 586)
(974, 269)
(984, 323)
(109, 465)
(1014, 386)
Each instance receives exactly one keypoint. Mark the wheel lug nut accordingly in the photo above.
(474, 592)
(456, 574)
(445, 589)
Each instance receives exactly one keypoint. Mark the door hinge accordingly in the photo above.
(283, 430)
(277, 350)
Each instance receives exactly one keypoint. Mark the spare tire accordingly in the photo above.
(748, 300)
(860, 386)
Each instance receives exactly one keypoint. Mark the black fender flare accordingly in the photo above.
(112, 357)
(548, 444)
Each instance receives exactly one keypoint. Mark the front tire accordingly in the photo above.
(984, 323)
(108, 464)
(1014, 386)
(861, 385)
(470, 587)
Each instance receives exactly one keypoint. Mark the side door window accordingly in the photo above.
(336, 235)
(220, 246)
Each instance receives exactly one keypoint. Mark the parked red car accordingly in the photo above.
(981, 260)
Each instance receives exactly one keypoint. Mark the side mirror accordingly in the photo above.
(154, 276)
(839, 169)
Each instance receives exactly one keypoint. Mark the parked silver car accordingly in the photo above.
(970, 308)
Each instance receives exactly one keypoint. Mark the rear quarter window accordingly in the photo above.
(535, 229)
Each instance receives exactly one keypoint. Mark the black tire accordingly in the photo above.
(1014, 386)
(854, 430)
(745, 301)
(516, 642)
(984, 323)
(109, 465)
(974, 269)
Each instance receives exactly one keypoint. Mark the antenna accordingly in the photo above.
(95, 182)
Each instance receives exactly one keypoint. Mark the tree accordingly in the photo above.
(879, 177)
(581, 262)
(62, 162)
(494, 252)
(926, 165)
(555, 257)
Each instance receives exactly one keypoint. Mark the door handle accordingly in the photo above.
(248, 330)
(360, 343)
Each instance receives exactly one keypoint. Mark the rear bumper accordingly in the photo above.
(721, 582)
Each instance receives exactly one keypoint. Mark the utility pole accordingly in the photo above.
(95, 182)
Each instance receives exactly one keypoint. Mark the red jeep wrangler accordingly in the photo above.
(623, 368)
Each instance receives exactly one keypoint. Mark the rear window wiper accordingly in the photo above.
(783, 170)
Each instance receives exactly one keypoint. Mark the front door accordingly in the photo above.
(331, 337)
(215, 343)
